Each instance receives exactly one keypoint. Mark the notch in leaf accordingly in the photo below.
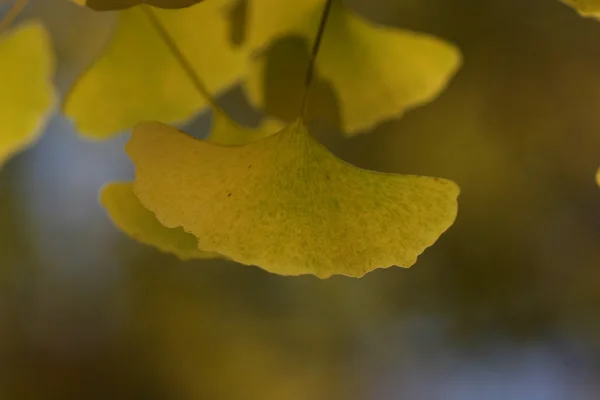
(132, 218)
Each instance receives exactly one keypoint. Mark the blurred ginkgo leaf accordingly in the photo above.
(377, 72)
(286, 204)
(26, 90)
(137, 78)
(598, 177)
(108, 5)
(588, 8)
(131, 217)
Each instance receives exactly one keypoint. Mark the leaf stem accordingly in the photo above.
(181, 58)
(12, 14)
(310, 71)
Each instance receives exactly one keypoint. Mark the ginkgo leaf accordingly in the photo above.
(590, 8)
(137, 78)
(107, 5)
(377, 72)
(131, 217)
(598, 177)
(286, 204)
(26, 90)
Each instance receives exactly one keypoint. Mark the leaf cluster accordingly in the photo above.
(270, 196)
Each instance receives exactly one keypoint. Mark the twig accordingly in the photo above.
(181, 58)
(310, 71)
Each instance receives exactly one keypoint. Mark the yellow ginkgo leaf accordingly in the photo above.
(286, 204)
(137, 78)
(131, 217)
(26, 90)
(598, 177)
(107, 5)
(377, 72)
(589, 8)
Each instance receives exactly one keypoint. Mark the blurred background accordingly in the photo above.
(506, 305)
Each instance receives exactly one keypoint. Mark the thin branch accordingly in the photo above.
(12, 14)
(310, 71)
(181, 58)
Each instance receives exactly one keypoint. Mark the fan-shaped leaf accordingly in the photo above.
(26, 90)
(285, 203)
(137, 78)
(377, 72)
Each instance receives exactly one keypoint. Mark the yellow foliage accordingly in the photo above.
(137, 78)
(282, 202)
(376, 72)
(27, 93)
(131, 217)
(286, 204)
